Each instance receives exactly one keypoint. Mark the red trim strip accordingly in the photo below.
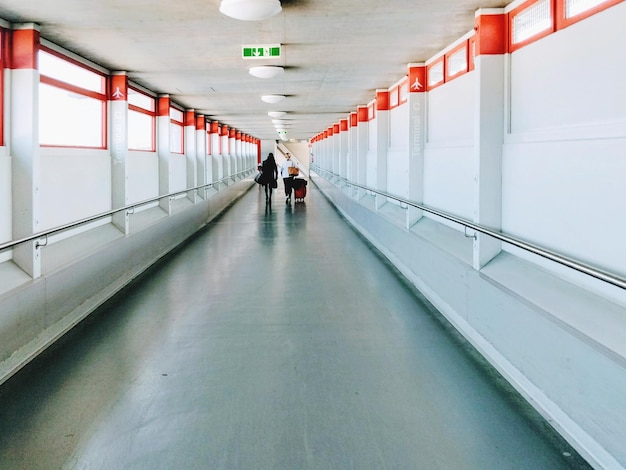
(26, 43)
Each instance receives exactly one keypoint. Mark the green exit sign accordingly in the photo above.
(260, 51)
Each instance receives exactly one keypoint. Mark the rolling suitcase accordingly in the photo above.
(299, 193)
(299, 189)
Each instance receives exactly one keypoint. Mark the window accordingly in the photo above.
(530, 22)
(141, 121)
(72, 103)
(457, 61)
(435, 74)
(176, 130)
(576, 7)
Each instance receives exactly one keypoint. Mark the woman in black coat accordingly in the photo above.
(269, 177)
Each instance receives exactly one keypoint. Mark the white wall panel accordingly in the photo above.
(143, 176)
(448, 183)
(451, 111)
(571, 77)
(74, 184)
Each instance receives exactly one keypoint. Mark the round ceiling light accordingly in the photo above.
(273, 99)
(250, 10)
(266, 71)
(276, 114)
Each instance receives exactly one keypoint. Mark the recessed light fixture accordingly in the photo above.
(273, 99)
(276, 114)
(266, 71)
(250, 10)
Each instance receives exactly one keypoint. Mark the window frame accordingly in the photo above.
(100, 96)
(179, 124)
(152, 113)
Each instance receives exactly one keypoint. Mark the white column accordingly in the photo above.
(190, 153)
(344, 142)
(417, 139)
(362, 131)
(201, 153)
(382, 143)
(118, 101)
(24, 145)
(163, 150)
(488, 130)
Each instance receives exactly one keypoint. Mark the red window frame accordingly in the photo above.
(450, 53)
(181, 124)
(563, 22)
(441, 61)
(513, 13)
(152, 113)
(101, 96)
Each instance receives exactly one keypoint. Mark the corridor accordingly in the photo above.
(273, 339)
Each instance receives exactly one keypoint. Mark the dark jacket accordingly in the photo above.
(270, 171)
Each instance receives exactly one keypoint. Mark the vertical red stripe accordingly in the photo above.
(382, 100)
(233, 133)
(344, 125)
(336, 128)
(118, 91)
(190, 118)
(490, 34)
(200, 122)
(25, 48)
(215, 127)
(354, 119)
(417, 78)
(163, 106)
(362, 113)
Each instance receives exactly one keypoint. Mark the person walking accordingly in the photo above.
(269, 177)
(287, 176)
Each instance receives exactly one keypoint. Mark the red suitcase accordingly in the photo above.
(299, 189)
(299, 193)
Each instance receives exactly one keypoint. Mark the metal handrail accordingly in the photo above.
(577, 265)
(102, 215)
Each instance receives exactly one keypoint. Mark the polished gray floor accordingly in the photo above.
(273, 340)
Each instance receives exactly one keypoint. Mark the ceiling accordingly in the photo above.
(335, 54)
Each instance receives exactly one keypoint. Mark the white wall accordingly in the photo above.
(75, 183)
(143, 176)
(398, 153)
(565, 159)
(448, 155)
(5, 204)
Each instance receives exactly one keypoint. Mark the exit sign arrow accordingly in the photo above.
(260, 51)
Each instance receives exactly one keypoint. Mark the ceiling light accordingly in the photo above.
(250, 10)
(276, 114)
(280, 121)
(273, 99)
(266, 71)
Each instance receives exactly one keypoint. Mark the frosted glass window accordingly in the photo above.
(457, 62)
(141, 100)
(576, 7)
(176, 138)
(176, 115)
(140, 131)
(404, 92)
(531, 21)
(68, 72)
(69, 119)
(435, 74)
